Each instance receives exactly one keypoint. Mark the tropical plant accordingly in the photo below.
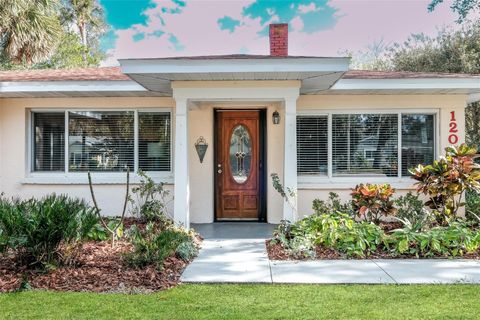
(155, 243)
(412, 212)
(112, 228)
(42, 231)
(372, 201)
(30, 30)
(151, 199)
(332, 205)
(446, 181)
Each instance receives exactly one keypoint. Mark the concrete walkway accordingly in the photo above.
(230, 258)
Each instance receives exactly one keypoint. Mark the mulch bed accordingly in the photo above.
(277, 252)
(97, 268)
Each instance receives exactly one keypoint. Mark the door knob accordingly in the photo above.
(219, 171)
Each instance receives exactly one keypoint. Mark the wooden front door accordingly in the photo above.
(237, 165)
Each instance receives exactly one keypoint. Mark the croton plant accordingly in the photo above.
(372, 201)
(446, 180)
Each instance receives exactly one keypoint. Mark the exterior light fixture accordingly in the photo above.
(276, 117)
(201, 146)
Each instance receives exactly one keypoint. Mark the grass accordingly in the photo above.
(254, 301)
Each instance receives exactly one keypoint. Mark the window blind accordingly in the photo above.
(312, 145)
(365, 144)
(417, 140)
(101, 141)
(154, 146)
(48, 141)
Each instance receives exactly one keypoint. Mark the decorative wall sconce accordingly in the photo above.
(276, 117)
(201, 146)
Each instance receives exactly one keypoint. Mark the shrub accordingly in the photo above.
(154, 244)
(372, 201)
(336, 231)
(332, 205)
(412, 213)
(453, 240)
(36, 229)
(446, 181)
(472, 207)
(151, 199)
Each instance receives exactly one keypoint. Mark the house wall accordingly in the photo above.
(15, 181)
(310, 190)
(14, 178)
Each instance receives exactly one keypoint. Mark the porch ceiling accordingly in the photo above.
(157, 74)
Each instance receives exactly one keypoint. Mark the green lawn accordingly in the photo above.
(254, 301)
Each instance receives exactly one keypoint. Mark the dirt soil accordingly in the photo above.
(98, 268)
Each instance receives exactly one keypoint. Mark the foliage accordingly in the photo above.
(51, 34)
(100, 233)
(29, 30)
(288, 194)
(113, 228)
(372, 201)
(472, 207)
(453, 240)
(151, 199)
(37, 229)
(337, 231)
(332, 205)
(446, 181)
(411, 212)
(156, 243)
(462, 7)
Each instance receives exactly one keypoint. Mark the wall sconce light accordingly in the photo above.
(201, 146)
(276, 117)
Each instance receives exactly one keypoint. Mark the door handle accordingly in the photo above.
(219, 165)
(219, 171)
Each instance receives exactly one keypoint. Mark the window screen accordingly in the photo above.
(101, 141)
(365, 144)
(312, 144)
(417, 140)
(48, 141)
(154, 147)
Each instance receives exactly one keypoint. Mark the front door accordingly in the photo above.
(238, 165)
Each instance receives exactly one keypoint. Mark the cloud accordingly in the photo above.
(195, 27)
(228, 23)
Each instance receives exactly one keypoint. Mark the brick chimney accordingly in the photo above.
(279, 39)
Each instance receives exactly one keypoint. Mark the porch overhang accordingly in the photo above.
(314, 73)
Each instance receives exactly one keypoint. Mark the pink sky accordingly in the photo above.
(359, 23)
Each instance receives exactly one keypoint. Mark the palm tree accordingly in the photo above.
(85, 15)
(29, 29)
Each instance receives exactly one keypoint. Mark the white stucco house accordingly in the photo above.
(317, 124)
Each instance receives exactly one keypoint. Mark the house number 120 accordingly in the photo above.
(453, 138)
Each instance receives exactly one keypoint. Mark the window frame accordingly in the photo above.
(103, 177)
(347, 181)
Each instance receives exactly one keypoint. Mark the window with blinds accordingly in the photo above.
(101, 141)
(312, 145)
(48, 141)
(365, 144)
(154, 146)
(417, 140)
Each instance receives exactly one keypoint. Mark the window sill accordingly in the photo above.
(98, 178)
(319, 183)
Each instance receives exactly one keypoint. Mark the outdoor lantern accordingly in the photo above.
(201, 146)
(276, 117)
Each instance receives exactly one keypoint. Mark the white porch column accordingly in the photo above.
(181, 188)
(290, 157)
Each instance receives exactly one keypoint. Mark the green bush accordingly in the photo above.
(336, 231)
(454, 240)
(36, 229)
(332, 205)
(150, 202)
(154, 244)
(472, 207)
(412, 212)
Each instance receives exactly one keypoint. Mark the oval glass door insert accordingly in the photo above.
(240, 154)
